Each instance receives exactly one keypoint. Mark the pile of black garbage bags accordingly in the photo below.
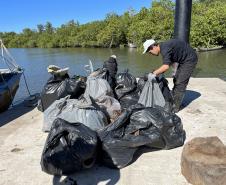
(105, 118)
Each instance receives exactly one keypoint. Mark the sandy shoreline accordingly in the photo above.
(22, 141)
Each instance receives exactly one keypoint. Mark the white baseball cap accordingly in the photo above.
(147, 44)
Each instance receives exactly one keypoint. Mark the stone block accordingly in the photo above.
(203, 161)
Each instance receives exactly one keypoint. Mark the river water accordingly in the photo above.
(35, 62)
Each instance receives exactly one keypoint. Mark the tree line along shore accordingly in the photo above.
(208, 28)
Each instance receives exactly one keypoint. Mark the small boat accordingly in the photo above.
(202, 49)
(131, 45)
(9, 78)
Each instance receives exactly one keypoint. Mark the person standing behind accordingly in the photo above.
(175, 53)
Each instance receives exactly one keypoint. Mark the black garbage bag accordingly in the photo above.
(117, 145)
(136, 127)
(111, 80)
(58, 87)
(163, 130)
(54, 89)
(111, 67)
(69, 147)
(125, 83)
(163, 85)
(117, 153)
(76, 86)
(129, 99)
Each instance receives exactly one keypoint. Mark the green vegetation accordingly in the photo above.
(208, 28)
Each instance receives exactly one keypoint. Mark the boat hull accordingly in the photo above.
(9, 84)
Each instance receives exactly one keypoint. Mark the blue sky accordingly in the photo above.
(18, 14)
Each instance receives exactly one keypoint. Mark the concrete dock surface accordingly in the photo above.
(22, 142)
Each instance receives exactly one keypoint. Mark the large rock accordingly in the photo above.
(203, 161)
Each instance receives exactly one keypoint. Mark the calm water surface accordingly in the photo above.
(35, 61)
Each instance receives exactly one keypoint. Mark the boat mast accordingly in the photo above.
(7, 58)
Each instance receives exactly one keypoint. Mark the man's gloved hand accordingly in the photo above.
(151, 76)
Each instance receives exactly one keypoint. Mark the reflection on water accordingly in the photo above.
(35, 62)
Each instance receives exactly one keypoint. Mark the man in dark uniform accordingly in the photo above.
(175, 53)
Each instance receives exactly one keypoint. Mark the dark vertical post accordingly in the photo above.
(182, 20)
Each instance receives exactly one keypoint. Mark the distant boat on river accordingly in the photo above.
(131, 45)
(209, 49)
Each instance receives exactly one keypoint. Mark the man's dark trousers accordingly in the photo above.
(180, 80)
